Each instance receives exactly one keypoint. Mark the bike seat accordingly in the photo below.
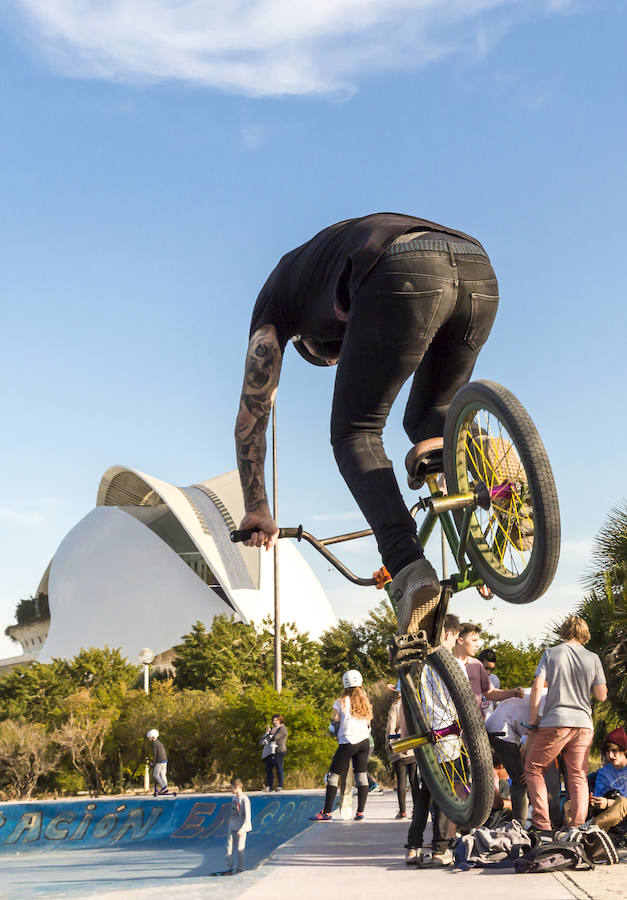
(423, 462)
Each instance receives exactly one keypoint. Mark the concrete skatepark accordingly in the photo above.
(168, 847)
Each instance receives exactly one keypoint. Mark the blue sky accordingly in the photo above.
(157, 159)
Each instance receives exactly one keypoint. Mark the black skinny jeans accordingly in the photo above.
(272, 762)
(425, 313)
(509, 754)
(359, 754)
(403, 772)
(422, 802)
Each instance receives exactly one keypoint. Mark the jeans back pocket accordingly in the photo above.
(482, 314)
(408, 315)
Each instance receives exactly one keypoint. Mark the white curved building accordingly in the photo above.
(151, 559)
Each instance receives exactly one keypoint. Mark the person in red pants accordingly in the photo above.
(573, 674)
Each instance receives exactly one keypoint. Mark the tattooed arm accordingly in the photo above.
(261, 379)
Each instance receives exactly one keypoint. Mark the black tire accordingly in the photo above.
(457, 769)
(489, 436)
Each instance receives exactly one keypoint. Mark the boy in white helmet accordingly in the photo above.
(159, 762)
(352, 714)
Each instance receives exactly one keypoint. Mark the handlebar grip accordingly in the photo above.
(242, 535)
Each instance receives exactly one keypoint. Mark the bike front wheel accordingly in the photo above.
(489, 437)
(454, 757)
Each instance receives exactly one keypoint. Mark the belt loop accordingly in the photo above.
(450, 250)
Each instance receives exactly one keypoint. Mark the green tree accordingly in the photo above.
(186, 724)
(33, 693)
(36, 693)
(343, 647)
(233, 654)
(378, 632)
(242, 720)
(230, 652)
(516, 663)
(604, 607)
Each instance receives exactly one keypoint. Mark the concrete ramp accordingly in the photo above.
(130, 843)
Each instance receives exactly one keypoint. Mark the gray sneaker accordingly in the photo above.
(413, 857)
(416, 590)
(443, 858)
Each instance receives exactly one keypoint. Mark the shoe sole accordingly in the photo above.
(424, 599)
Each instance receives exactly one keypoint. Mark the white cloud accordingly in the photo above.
(20, 518)
(265, 47)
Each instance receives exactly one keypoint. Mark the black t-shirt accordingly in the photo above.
(309, 293)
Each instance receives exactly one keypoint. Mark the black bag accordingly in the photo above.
(554, 856)
(599, 845)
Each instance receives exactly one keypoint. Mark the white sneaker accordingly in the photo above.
(415, 590)
(443, 858)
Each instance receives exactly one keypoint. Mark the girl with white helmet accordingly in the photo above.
(352, 714)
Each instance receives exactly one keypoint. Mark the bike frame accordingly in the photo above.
(438, 507)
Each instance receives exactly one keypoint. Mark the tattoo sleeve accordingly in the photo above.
(261, 379)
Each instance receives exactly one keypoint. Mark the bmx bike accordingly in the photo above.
(499, 512)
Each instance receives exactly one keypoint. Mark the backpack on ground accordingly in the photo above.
(554, 856)
(599, 846)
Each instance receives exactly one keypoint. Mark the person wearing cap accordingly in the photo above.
(609, 802)
(352, 715)
(403, 762)
(386, 297)
(159, 762)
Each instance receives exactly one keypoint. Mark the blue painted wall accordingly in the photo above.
(187, 820)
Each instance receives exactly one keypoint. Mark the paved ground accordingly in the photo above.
(338, 859)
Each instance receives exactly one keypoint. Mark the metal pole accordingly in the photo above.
(278, 668)
(147, 691)
(444, 563)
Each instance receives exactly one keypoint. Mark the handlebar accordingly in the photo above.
(245, 534)
(239, 535)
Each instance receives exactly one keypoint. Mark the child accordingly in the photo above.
(239, 826)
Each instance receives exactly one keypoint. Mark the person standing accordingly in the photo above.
(352, 715)
(506, 731)
(274, 744)
(447, 753)
(465, 650)
(487, 658)
(238, 828)
(159, 762)
(572, 673)
(403, 763)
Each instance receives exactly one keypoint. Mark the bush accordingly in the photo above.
(27, 753)
(242, 721)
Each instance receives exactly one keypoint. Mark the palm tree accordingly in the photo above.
(604, 608)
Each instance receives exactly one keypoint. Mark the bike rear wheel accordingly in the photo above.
(490, 437)
(455, 761)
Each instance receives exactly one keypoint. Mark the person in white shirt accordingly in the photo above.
(352, 715)
(506, 731)
(239, 826)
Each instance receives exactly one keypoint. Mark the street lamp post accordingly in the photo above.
(145, 657)
(278, 659)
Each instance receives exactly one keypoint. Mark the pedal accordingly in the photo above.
(410, 648)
